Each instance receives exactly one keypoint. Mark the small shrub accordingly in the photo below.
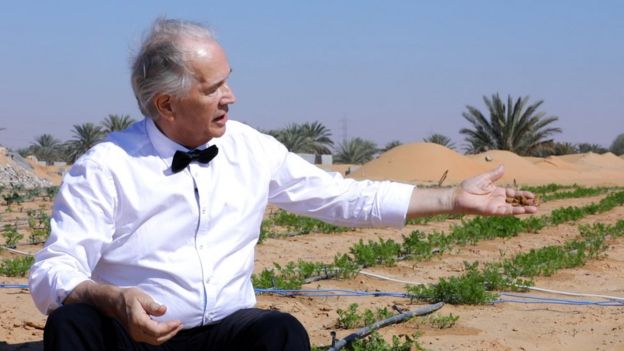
(17, 267)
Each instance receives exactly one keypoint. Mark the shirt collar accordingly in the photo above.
(166, 147)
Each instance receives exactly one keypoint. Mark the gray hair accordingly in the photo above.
(161, 64)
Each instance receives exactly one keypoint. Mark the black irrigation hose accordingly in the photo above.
(363, 332)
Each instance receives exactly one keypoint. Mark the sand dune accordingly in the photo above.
(420, 163)
(424, 163)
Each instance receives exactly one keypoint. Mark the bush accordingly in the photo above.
(617, 147)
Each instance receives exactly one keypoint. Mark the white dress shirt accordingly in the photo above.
(187, 239)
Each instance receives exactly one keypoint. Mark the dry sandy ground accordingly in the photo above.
(504, 326)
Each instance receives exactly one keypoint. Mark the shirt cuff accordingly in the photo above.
(395, 203)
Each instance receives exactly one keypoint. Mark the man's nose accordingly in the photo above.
(227, 96)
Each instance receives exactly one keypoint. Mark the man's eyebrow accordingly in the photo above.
(219, 83)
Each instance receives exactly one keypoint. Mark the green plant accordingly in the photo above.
(442, 322)
(349, 318)
(17, 267)
(375, 342)
(383, 252)
(11, 235)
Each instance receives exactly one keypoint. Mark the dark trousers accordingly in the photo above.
(81, 327)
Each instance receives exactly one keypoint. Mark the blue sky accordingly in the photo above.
(381, 70)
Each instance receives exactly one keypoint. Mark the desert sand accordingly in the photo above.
(504, 326)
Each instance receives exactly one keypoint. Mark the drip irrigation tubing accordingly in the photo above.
(509, 297)
(363, 332)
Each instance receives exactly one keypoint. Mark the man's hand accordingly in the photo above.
(134, 313)
(479, 195)
(131, 307)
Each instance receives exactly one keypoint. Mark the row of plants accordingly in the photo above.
(352, 317)
(368, 321)
(577, 192)
(479, 286)
(17, 193)
(421, 246)
(546, 193)
(376, 342)
(38, 222)
(283, 223)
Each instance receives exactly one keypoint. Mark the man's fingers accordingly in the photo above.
(154, 309)
(168, 336)
(496, 174)
(158, 329)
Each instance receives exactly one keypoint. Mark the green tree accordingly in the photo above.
(617, 147)
(511, 127)
(440, 139)
(356, 151)
(114, 123)
(318, 138)
(47, 148)
(292, 137)
(85, 136)
(587, 147)
(563, 148)
(391, 145)
(305, 138)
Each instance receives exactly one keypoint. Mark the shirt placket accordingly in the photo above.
(201, 245)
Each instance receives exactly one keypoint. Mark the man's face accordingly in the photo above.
(201, 114)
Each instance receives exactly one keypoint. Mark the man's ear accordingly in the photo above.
(162, 102)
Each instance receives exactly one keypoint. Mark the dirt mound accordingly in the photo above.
(592, 161)
(552, 162)
(15, 170)
(425, 163)
(420, 163)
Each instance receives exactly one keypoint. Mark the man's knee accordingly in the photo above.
(68, 317)
(77, 327)
(284, 327)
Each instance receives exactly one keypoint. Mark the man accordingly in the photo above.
(152, 242)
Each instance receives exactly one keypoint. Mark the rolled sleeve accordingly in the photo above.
(393, 202)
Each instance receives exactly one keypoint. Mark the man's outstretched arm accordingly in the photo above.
(477, 195)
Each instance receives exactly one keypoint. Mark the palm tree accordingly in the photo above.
(617, 147)
(114, 123)
(510, 127)
(311, 138)
(318, 138)
(356, 151)
(47, 148)
(391, 145)
(85, 136)
(440, 139)
(292, 137)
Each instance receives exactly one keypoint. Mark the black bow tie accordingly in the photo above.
(182, 159)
